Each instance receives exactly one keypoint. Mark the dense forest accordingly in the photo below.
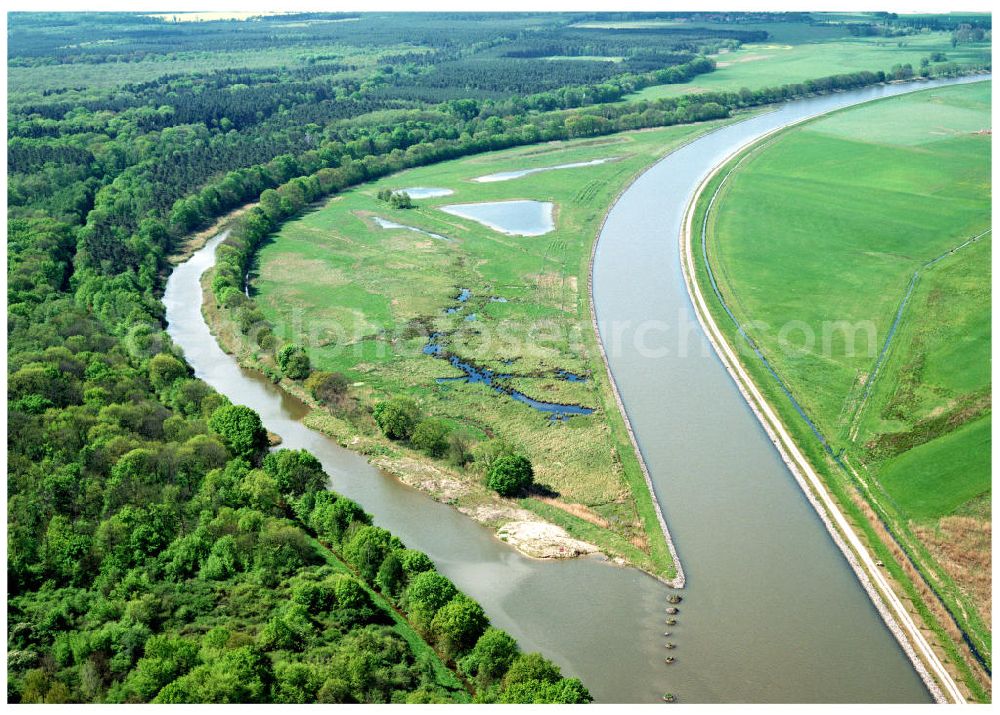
(158, 550)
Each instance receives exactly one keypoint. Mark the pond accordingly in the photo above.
(424, 192)
(387, 224)
(514, 218)
(508, 175)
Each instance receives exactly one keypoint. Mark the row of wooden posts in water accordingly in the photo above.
(672, 611)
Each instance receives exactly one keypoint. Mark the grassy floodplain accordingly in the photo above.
(364, 298)
(795, 55)
(814, 240)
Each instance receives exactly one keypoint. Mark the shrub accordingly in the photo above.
(511, 475)
(296, 471)
(241, 430)
(265, 338)
(397, 417)
(459, 449)
(316, 597)
(431, 436)
(531, 666)
(400, 200)
(391, 576)
(489, 452)
(248, 317)
(331, 519)
(565, 691)
(293, 362)
(426, 594)
(366, 550)
(415, 562)
(260, 491)
(164, 370)
(290, 630)
(232, 297)
(458, 625)
(491, 658)
(354, 602)
(327, 387)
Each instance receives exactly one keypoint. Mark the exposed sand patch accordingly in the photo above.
(423, 476)
(542, 540)
(522, 529)
(547, 280)
(493, 513)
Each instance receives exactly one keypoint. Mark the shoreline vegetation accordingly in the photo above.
(887, 570)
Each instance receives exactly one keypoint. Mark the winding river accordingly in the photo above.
(771, 613)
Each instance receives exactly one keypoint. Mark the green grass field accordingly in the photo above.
(848, 209)
(796, 57)
(937, 478)
(814, 239)
(363, 298)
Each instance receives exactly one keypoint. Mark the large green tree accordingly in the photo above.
(397, 417)
(431, 436)
(457, 625)
(295, 470)
(294, 362)
(511, 475)
(241, 429)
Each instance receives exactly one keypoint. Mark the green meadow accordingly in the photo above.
(847, 208)
(938, 478)
(814, 239)
(364, 299)
(790, 57)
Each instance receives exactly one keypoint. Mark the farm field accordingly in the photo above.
(365, 299)
(777, 31)
(798, 57)
(814, 240)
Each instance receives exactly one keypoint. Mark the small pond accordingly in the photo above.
(508, 175)
(514, 218)
(425, 192)
(387, 224)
